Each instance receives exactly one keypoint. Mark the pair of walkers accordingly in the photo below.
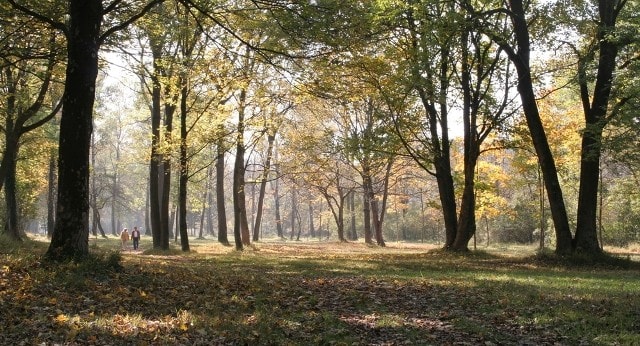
(135, 237)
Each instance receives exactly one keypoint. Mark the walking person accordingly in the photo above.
(135, 236)
(124, 237)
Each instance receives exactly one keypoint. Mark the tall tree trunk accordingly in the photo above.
(156, 156)
(184, 172)
(276, 206)
(520, 59)
(9, 159)
(93, 203)
(165, 177)
(115, 191)
(366, 215)
(312, 228)
(210, 228)
(263, 185)
(204, 206)
(595, 114)
(11, 151)
(241, 225)
(467, 218)
(71, 233)
(379, 211)
(220, 201)
(352, 212)
(294, 210)
(51, 195)
(147, 217)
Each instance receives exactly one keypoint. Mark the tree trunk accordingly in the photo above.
(51, 195)
(205, 202)
(294, 210)
(165, 178)
(210, 228)
(156, 157)
(366, 213)
(312, 228)
(527, 96)
(184, 173)
(220, 201)
(241, 225)
(263, 186)
(353, 234)
(276, 202)
(115, 189)
(71, 233)
(11, 152)
(586, 237)
(467, 218)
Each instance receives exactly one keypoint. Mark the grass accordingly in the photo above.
(300, 293)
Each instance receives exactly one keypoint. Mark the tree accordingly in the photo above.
(609, 40)
(516, 43)
(84, 36)
(27, 63)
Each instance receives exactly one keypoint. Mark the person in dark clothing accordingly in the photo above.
(135, 236)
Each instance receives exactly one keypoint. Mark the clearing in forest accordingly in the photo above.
(302, 293)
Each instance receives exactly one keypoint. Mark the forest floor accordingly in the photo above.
(315, 293)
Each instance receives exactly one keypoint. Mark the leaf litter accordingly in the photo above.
(281, 294)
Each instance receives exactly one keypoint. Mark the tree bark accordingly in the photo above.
(527, 96)
(294, 210)
(210, 189)
(220, 201)
(156, 157)
(353, 233)
(276, 202)
(51, 195)
(71, 233)
(263, 186)
(184, 172)
(241, 225)
(312, 227)
(586, 237)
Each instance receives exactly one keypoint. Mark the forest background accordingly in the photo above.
(431, 121)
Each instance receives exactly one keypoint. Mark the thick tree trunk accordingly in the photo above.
(71, 233)
(11, 152)
(156, 157)
(586, 237)
(51, 195)
(165, 179)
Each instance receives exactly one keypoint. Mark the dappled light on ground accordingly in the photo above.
(318, 293)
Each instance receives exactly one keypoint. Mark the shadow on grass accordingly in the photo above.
(323, 298)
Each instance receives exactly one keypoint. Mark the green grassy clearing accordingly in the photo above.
(300, 293)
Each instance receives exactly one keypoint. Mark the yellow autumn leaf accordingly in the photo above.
(61, 318)
(184, 327)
